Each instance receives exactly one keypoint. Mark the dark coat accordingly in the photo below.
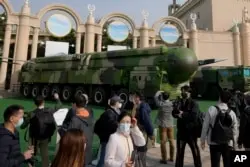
(107, 124)
(87, 126)
(144, 119)
(10, 151)
(244, 135)
(185, 124)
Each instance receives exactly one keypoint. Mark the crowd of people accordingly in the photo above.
(126, 135)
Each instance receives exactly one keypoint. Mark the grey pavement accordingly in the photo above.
(154, 156)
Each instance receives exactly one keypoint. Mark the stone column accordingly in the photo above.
(193, 42)
(35, 43)
(22, 42)
(78, 42)
(144, 37)
(184, 43)
(153, 42)
(135, 40)
(245, 36)
(236, 43)
(99, 42)
(6, 48)
(89, 38)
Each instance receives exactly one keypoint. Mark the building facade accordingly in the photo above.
(24, 30)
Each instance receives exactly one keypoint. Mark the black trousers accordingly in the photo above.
(181, 144)
(216, 151)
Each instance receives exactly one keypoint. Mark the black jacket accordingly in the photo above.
(186, 124)
(244, 135)
(10, 151)
(106, 125)
(87, 126)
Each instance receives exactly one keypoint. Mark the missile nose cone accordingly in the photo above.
(182, 63)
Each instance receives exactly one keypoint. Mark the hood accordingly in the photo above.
(145, 106)
(223, 106)
(166, 103)
(4, 131)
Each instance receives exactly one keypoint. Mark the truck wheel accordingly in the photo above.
(45, 92)
(123, 93)
(26, 90)
(66, 93)
(35, 91)
(99, 96)
(55, 89)
(80, 90)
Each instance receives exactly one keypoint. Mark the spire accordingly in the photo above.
(91, 9)
(193, 17)
(26, 7)
(145, 15)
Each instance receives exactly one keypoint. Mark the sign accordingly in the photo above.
(118, 31)
(240, 158)
(56, 48)
(60, 115)
(59, 25)
(117, 47)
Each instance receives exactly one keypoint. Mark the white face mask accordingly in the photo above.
(125, 128)
(119, 105)
(19, 123)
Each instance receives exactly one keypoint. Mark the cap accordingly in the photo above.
(115, 99)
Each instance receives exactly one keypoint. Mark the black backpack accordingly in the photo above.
(222, 131)
(42, 125)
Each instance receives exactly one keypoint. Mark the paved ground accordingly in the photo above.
(154, 155)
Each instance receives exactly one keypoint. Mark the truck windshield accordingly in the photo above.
(246, 72)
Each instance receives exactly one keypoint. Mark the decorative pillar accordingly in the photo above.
(153, 42)
(35, 43)
(78, 42)
(236, 45)
(185, 42)
(89, 41)
(22, 41)
(99, 42)
(245, 37)
(135, 40)
(6, 48)
(144, 37)
(194, 35)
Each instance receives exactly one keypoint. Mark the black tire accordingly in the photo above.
(80, 90)
(45, 92)
(55, 89)
(124, 95)
(99, 96)
(35, 91)
(66, 93)
(26, 90)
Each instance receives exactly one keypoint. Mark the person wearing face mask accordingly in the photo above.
(107, 124)
(121, 144)
(186, 113)
(10, 151)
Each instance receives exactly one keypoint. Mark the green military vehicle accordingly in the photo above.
(208, 80)
(100, 74)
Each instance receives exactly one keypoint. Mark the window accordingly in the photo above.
(198, 15)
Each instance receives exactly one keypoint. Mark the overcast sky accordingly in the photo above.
(156, 8)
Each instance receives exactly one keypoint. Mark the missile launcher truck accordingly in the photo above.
(101, 74)
(208, 80)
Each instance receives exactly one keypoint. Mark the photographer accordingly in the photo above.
(185, 111)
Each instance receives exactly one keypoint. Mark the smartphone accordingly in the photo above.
(133, 156)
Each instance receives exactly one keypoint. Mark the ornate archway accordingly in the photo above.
(64, 8)
(170, 18)
(7, 6)
(121, 15)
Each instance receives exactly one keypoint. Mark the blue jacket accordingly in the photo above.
(144, 119)
(10, 151)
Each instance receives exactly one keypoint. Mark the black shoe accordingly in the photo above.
(163, 162)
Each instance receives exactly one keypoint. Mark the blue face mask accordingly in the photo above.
(19, 123)
(125, 128)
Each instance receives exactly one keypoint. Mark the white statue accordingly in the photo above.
(145, 14)
(245, 16)
(27, 2)
(91, 9)
(193, 17)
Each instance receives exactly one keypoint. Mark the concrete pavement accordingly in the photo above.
(154, 156)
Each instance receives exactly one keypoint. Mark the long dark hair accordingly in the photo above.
(71, 150)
